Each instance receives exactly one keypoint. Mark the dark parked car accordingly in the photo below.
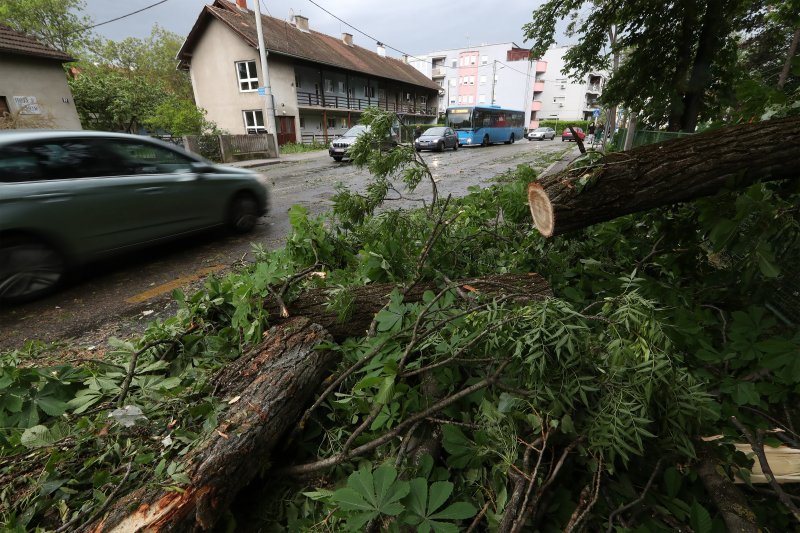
(67, 198)
(340, 146)
(541, 134)
(566, 135)
(437, 139)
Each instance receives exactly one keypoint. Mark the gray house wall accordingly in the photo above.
(43, 79)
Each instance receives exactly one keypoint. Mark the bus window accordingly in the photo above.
(459, 119)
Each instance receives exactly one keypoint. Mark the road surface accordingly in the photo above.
(119, 297)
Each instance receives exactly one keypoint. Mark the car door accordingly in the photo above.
(74, 196)
(162, 188)
(450, 138)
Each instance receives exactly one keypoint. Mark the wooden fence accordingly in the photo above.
(229, 148)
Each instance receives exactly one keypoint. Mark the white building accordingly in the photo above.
(501, 74)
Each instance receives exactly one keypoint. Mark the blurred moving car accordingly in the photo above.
(437, 139)
(566, 135)
(67, 198)
(340, 146)
(540, 134)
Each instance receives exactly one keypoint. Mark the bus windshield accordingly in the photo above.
(459, 119)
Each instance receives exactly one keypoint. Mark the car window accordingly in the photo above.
(146, 158)
(434, 131)
(17, 163)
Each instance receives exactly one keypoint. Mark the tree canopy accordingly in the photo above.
(61, 24)
(680, 60)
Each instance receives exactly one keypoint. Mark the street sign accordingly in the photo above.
(596, 113)
(262, 91)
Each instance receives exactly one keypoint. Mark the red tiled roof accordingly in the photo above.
(14, 42)
(284, 38)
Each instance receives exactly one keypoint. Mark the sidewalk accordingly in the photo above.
(288, 158)
(562, 163)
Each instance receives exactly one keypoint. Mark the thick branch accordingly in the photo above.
(666, 173)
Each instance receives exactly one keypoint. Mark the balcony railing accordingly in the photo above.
(538, 86)
(541, 66)
(438, 72)
(536, 105)
(360, 104)
(595, 89)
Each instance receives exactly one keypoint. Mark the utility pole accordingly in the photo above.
(269, 108)
(494, 77)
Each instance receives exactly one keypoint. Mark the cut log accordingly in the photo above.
(272, 385)
(369, 299)
(268, 389)
(666, 173)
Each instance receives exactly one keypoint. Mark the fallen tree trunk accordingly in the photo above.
(269, 388)
(665, 173)
(369, 299)
(273, 384)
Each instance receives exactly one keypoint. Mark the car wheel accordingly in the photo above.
(243, 213)
(440, 147)
(455, 146)
(485, 141)
(29, 268)
(513, 139)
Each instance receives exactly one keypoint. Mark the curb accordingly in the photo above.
(563, 162)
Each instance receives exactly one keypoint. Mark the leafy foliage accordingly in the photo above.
(58, 23)
(662, 325)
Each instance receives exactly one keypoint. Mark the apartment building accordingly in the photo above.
(320, 84)
(502, 74)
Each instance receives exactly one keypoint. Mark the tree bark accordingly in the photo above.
(268, 389)
(665, 173)
(369, 299)
(730, 501)
(787, 65)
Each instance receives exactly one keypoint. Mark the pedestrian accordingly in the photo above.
(591, 132)
(598, 133)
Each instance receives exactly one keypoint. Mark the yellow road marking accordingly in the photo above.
(171, 285)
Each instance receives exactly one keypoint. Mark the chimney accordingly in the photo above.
(301, 22)
(347, 39)
(242, 5)
(381, 51)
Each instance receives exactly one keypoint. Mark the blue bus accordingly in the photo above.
(485, 125)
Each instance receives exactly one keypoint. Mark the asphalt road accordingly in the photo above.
(118, 297)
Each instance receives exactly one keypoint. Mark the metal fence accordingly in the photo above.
(642, 137)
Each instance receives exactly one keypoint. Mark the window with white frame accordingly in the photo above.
(247, 75)
(302, 122)
(482, 99)
(328, 85)
(369, 92)
(423, 99)
(455, 63)
(341, 86)
(470, 99)
(472, 80)
(483, 80)
(484, 60)
(472, 59)
(254, 121)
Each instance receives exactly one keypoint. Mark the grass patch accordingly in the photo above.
(299, 148)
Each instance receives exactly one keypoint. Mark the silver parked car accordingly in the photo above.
(437, 139)
(67, 198)
(541, 134)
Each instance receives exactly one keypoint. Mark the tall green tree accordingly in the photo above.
(152, 57)
(678, 58)
(61, 24)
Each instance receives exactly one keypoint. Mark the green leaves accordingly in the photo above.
(369, 494)
(424, 505)
(377, 494)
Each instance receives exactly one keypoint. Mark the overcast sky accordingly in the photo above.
(413, 26)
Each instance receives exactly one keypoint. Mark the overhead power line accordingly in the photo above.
(119, 18)
(402, 52)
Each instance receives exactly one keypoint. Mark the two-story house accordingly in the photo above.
(33, 85)
(319, 84)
